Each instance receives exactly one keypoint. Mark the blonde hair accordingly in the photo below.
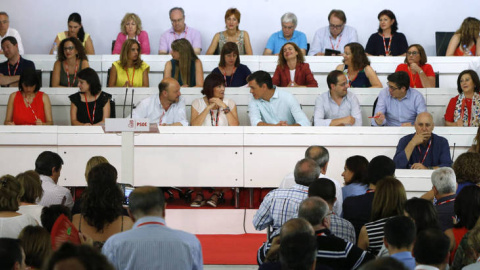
(187, 56)
(128, 17)
(92, 162)
(469, 31)
(126, 47)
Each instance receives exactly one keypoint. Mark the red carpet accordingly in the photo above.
(231, 248)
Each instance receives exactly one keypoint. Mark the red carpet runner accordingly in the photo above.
(231, 248)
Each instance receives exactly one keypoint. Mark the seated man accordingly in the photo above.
(165, 109)
(271, 106)
(288, 34)
(335, 36)
(422, 149)
(179, 30)
(431, 249)
(399, 236)
(338, 106)
(7, 31)
(11, 254)
(11, 69)
(398, 104)
(150, 244)
(444, 189)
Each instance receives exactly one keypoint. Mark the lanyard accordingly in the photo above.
(350, 81)
(370, 190)
(150, 223)
(128, 77)
(68, 74)
(426, 153)
(161, 117)
(338, 43)
(16, 67)
(447, 201)
(231, 77)
(321, 234)
(88, 111)
(211, 118)
(387, 49)
(413, 78)
(29, 106)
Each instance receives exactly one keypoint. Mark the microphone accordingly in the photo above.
(125, 102)
(453, 154)
(131, 103)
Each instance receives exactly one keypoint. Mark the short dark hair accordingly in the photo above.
(391, 15)
(144, 200)
(10, 253)
(431, 247)
(228, 48)
(319, 154)
(467, 207)
(298, 251)
(29, 78)
(339, 14)
(314, 210)
(211, 81)
(261, 77)
(400, 232)
(91, 77)
(423, 213)
(384, 263)
(400, 78)
(306, 171)
(12, 40)
(380, 167)
(323, 188)
(332, 77)
(51, 213)
(85, 255)
(358, 165)
(47, 161)
(475, 79)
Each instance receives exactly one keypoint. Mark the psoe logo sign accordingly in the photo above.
(141, 124)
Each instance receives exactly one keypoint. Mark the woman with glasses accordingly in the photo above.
(421, 74)
(356, 67)
(464, 41)
(464, 109)
(387, 41)
(71, 58)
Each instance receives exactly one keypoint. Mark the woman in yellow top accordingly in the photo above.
(130, 70)
(75, 29)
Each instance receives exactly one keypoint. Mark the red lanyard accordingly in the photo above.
(29, 106)
(16, 67)
(175, 34)
(412, 77)
(370, 190)
(321, 234)
(426, 153)
(387, 49)
(128, 77)
(447, 201)
(211, 118)
(88, 111)
(68, 74)
(338, 43)
(231, 78)
(161, 117)
(150, 223)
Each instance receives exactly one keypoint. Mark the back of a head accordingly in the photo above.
(298, 251)
(400, 232)
(10, 193)
(423, 213)
(83, 256)
(319, 154)
(92, 162)
(467, 207)
(431, 247)
(467, 167)
(36, 244)
(444, 180)
(384, 263)
(379, 168)
(51, 213)
(323, 188)
(314, 210)
(46, 161)
(32, 186)
(306, 171)
(146, 201)
(389, 199)
(10, 253)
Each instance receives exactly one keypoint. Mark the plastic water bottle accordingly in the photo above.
(55, 48)
(467, 52)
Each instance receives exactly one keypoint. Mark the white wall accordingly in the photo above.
(39, 21)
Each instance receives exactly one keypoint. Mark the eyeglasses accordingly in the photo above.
(177, 21)
(393, 88)
(415, 53)
(4, 22)
(71, 48)
(335, 26)
(287, 27)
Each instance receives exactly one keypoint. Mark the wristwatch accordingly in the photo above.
(226, 110)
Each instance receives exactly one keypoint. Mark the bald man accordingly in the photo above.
(423, 149)
(167, 108)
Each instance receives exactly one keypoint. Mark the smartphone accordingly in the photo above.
(126, 195)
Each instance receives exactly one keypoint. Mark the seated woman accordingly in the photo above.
(71, 58)
(421, 74)
(28, 106)
(388, 201)
(75, 30)
(214, 109)
(185, 67)
(130, 70)
(232, 34)
(33, 193)
(467, 170)
(464, 109)
(36, 244)
(356, 67)
(83, 109)
(101, 210)
(292, 71)
(11, 222)
(131, 28)
(355, 176)
(387, 41)
(234, 73)
(464, 41)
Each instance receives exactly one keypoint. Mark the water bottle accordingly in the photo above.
(467, 52)
(55, 48)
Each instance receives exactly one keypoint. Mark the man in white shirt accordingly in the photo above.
(165, 109)
(338, 106)
(335, 36)
(6, 31)
(48, 165)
